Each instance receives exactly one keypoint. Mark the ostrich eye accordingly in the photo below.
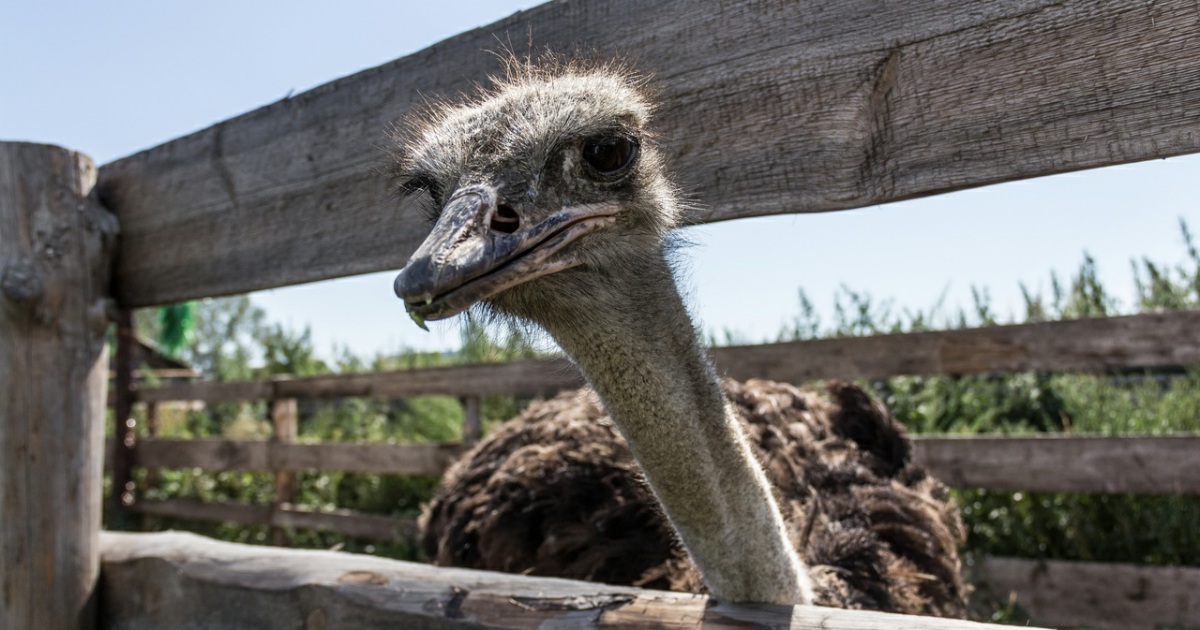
(421, 183)
(609, 155)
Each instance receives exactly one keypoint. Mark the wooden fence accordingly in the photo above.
(1050, 463)
(815, 106)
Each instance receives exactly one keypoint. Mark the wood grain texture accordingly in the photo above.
(56, 245)
(768, 108)
(222, 454)
(1098, 595)
(183, 581)
(285, 421)
(1060, 463)
(1135, 341)
(522, 378)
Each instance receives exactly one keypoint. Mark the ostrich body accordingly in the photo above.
(552, 206)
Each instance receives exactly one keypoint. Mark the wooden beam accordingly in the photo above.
(528, 377)
(1066, 463)
(1097, 595)
(1134, 341)
(56, 247)
(172, 580)
(767, 108)
(1100, 464)
(348, 522)
(207, 391)
(1099, 344)
(222, 454)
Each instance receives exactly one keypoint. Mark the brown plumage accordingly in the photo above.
(555, 491)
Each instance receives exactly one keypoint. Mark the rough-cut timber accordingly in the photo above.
(1105, 343)
(1060, 463)
(529, 377)
(1100, 464)
(1097, 595)
(1130, 342)
(223, 454)
(770, 107)
(56, 244)
(187, 582)
(285, 420)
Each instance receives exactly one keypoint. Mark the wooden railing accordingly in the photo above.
(1051, 463)
(801, 107)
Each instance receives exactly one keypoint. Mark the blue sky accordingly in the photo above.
(111, 78)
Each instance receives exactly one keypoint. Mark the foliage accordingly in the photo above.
(175, 322)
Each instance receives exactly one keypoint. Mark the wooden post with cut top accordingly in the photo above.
(284, 415)
(472, 427)
(55, 253)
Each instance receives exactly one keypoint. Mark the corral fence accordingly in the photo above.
(767, 108)
(1052, 591)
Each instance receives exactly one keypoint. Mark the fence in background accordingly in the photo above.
(1052, 463)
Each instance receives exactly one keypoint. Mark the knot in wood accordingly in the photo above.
(21, 282)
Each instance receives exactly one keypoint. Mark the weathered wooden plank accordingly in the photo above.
(527, 377)
(513, 378)
(207, 391)
(768, 108)
(1062, 463)
(1135, 341)
(1100, 464)
(1100, 596)
(222, 454)
(176, 580)
(284, 414)
(357, 524)
(56, 245)
(219, 511)
(348, 522)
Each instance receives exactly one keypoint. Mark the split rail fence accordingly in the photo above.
(767, 108)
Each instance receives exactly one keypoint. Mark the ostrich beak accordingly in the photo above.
(466, 259)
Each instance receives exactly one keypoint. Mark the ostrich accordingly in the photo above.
(552, 204)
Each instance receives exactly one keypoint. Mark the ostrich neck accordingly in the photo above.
(641, 354)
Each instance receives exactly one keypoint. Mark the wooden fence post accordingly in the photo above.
(124, 438)
(472, 427)
(56, 244)
(284, 412)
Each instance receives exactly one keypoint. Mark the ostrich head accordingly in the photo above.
(540, 189)
(552, 205)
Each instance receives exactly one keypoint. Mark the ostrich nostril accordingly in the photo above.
(505, 219)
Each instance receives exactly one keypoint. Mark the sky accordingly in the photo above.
(111, 78)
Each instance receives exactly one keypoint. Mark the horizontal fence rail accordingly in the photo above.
(1099, 595)
(796, 110)
(1066, 463)
(365, 457)
(373, 527)
(188, 577)
(1111, 343)
(1099, 464)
